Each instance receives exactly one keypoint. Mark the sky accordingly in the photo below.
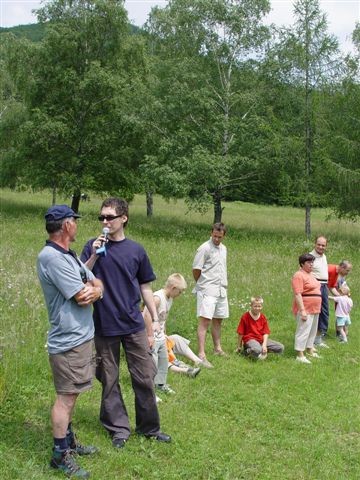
(342, 15)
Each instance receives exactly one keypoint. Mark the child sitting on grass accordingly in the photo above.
(176, 344)
(344, 305)
(174, 286)
(253, 331)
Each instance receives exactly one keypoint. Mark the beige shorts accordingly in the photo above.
(211, 307)
(73, 371)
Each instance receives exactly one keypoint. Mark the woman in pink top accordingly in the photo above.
(306, 308)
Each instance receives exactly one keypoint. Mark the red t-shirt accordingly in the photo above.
(333, 276)
(251, 329)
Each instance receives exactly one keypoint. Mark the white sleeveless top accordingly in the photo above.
(163, 311)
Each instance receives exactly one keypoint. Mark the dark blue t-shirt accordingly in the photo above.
(125, 267)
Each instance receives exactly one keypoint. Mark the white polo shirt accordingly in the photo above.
(211, 260)
(320, 267)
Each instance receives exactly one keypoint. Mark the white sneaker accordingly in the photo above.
(158, 399)
(322, 345)
(303, 360)
(165, 389)
(314, 355)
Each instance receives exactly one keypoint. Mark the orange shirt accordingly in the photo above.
(306, 284)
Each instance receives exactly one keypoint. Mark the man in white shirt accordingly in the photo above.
(210, 274)
(320, 272)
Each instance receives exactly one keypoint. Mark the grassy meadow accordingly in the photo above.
(242, 420)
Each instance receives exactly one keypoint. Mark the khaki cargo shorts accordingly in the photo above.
(73, 371)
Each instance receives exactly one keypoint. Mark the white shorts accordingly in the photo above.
(211, 307)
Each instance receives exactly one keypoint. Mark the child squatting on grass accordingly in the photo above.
(174, 286)
(344, 305)
(253, 333)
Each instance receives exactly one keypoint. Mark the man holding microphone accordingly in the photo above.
(127, 274)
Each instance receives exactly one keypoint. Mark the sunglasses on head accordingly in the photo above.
(108, 218)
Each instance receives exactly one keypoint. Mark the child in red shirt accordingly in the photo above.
(253, 331)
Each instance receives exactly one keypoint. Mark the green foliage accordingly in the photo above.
(78, 134)
(270, 420)
(200, 50)
(34, 32)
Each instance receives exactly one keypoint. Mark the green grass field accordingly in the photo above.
(242, 420)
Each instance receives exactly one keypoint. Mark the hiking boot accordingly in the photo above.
(79, 449)
(65, 462)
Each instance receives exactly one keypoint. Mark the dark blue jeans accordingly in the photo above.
(324, 313)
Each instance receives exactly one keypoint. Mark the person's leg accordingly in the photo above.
(162, 364)
(275, 347)
(206, 305)
(216, 334)
(201, 334)
(253, 348)
(176, 369)
(142, 372)
(323, 322)
(113, 414)
(221, 312)
(313, 320)
(182, 348)
(343, 334)
(61, 414)
(302, 332)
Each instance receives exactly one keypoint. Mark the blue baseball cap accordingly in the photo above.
(58, 212)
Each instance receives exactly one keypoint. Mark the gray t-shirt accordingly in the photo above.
(60, 276)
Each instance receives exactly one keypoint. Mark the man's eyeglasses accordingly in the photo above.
(108, 218)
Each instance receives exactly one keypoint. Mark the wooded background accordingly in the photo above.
(205, 103)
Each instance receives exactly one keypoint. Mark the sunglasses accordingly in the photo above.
(108, 218)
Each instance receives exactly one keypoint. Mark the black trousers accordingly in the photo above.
(324, 313)
(113, 414)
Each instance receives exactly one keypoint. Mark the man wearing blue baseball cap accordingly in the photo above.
(70, 289)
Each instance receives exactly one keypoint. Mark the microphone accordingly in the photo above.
(105, 232)
(101, 251)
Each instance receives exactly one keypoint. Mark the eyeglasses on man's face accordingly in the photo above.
(108, 218)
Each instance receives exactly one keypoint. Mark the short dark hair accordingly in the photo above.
(53, 226)
(119, 204)
(219, 227)
(306, 257)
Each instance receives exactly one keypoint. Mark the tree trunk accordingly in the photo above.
(218, 209)
(308, 221)
(308, 128)
(54, 195)
(75, 202)
(149, 204)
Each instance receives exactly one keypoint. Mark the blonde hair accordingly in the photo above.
(344, 289)
(257, 299)
(176, 280)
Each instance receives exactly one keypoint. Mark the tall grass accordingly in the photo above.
(276, 419)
